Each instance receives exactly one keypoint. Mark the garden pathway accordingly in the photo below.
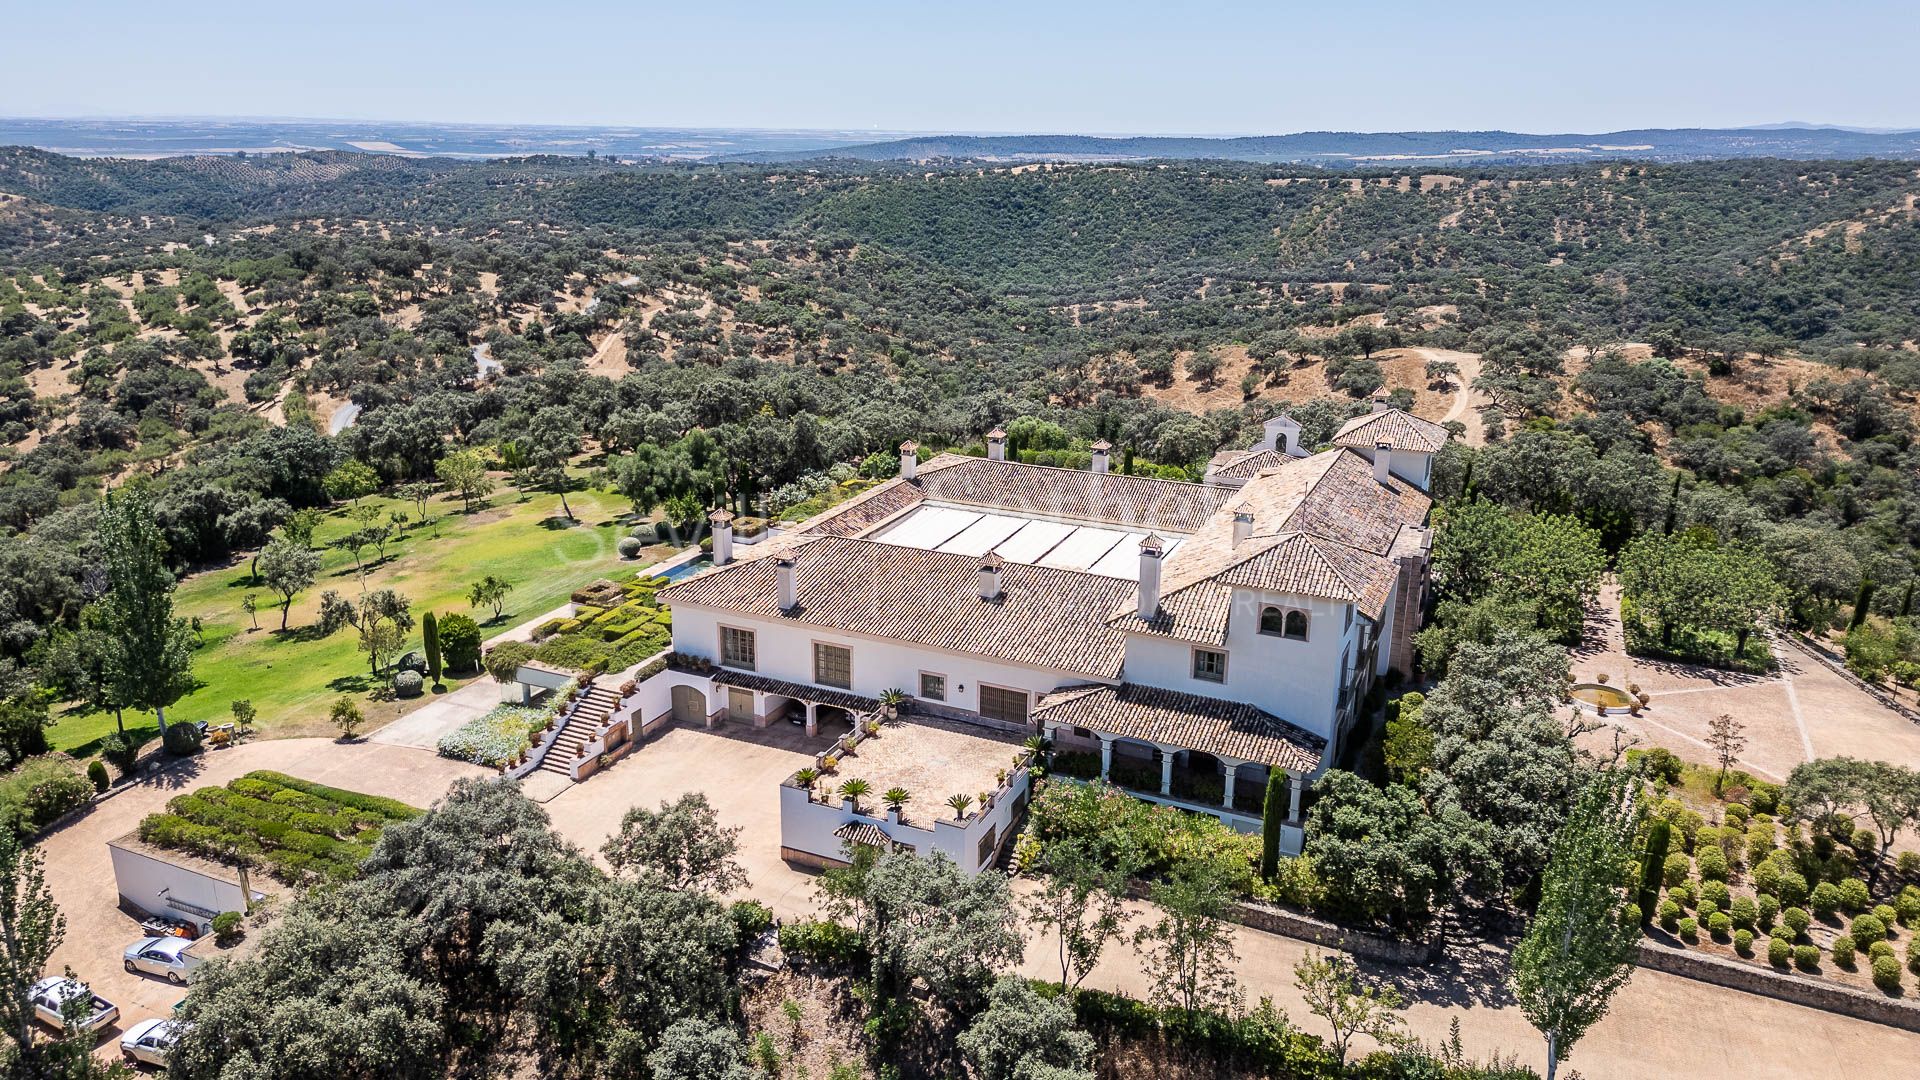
(424, 726)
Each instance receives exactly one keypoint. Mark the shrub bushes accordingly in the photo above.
(1843, 951)
(1792, 888)
(408, 684)
(41, 791)
(226, 928)
(1766, 909)
(1888, 915)
(1867, 929)
(1743, 912)
(460, 642)
(496, 738)
(1778, 952)
(1690, 930)
(1719, 925)
(1913, 954)
(97, 775)
(1669, 916)
(1682, 895)
(1712, 863)
(1796, 920)
(181, 739)
(295, 841)
(1825, 900)
(1908, 906)
(1886, 974)
(1806, 957)
(1707, 910)
(1854, 897)
(1879, 949)
(1715, 892)
(820, 941)
(629, 547)
(751, 918)
(1743, 942)
(1909, 864)
(1675, 871)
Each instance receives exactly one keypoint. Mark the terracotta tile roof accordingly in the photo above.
(1211, 725)
(1073, 494)
(1322, 526)
(819, 695)
(1045, 617)
(1402, 430)
(864, 832)
(1250, 464)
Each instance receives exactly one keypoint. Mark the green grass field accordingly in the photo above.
(292, 678)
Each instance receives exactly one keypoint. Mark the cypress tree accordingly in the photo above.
(1862, 604)
(1273, 814)
(430, 639)
(1652, 866)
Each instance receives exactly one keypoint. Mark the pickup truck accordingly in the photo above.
(51, 995)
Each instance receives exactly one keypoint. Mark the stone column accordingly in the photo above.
(1166, 771)
(1295, 785)
(813, 720)
(1232, 774)
(1106, 756)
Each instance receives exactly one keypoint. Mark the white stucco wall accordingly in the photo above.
(785, 651)
(148, 882)
(1412, 466)
(809, 826)
(1297, 681)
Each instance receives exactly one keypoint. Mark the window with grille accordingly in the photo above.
(832, 665)
(1209, 665)
(736, 648)
(999, 704)
(933, 687)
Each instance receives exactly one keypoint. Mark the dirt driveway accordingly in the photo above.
(80, 871)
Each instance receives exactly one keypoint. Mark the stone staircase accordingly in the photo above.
(593, 712)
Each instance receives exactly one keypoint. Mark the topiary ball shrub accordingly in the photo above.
(644, 533)
(1913, 954)
(1889, 916)
(1742, 912)
(1779, 952)
(1792, 888)
(408, 683)
(1713, 863)
(1908, 905)
(1743, 942)
(1707, 910)
(1675, 870)
(1843, 951)
(181, 739)
(1670, 916)
(628, 547)
(1886, 974)
(1766, 877)
(1682, 895)
(1879, 949)
(1806, 957)
(1908, 864)
(1825, 900)
(1867, 929)
(413, 661)
(226, 928)
(1719, 925)
(1796, 920)
(1766, 909)
(97, 773)
(1717, 892)
(1738, 813)
(1854, 896)
(1690, 930)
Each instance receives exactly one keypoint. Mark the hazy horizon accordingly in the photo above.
(991, 68)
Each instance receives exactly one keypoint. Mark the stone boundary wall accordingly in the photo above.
(1766, 982)
(1820, 656)
(1275, 920)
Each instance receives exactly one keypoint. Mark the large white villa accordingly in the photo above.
(1192, 636)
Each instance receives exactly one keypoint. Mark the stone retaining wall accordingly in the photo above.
(1810, 991)
(1819, 655)
(1275, 920)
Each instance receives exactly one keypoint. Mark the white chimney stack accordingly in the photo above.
(1242, 527)
(996, 445)
(909, 459)
(722, 536)
(990, 569)
(1151, 549)
(788, 580)
(1100, 455)
(1382, 460)
(1380, 403)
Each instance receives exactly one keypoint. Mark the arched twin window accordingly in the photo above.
(1279, 623)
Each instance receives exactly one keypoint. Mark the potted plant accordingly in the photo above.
(960, 804)
(852, 790)
(805, 778)
(890, 701)
(829, 763)
(895, 798)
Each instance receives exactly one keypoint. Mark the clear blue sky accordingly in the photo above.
(1080, 66)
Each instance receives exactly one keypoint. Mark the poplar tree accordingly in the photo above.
(150, 656)
(1578, 949)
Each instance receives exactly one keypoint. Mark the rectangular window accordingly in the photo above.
(832, 665)
(1209, 665)
(999, 704)
(933, 687)
(736, 648)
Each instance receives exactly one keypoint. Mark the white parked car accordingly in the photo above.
(51, 994)
(166, 957)
(150, 1042)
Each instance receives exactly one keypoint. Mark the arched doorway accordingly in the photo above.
(689, 705)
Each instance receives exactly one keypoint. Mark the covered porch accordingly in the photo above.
(1199, 754)
(822, 711)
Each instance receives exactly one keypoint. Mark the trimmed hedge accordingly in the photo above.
(298, 829)
(41, 791)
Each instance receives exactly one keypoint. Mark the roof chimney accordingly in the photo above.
(1100, 455)
(990, 568)
(1151, 549)
(1382, 460)
(1380, 403)
(996, 445)
(1242, 527)
(909, 459)
(788, 580)
(722, 536)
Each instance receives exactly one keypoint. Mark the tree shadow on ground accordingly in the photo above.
(355, 684)
(559, 521)
(1470, 968)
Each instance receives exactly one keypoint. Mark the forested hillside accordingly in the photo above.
(208, 327)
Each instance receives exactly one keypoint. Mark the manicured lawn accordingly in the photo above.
(293, 677)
